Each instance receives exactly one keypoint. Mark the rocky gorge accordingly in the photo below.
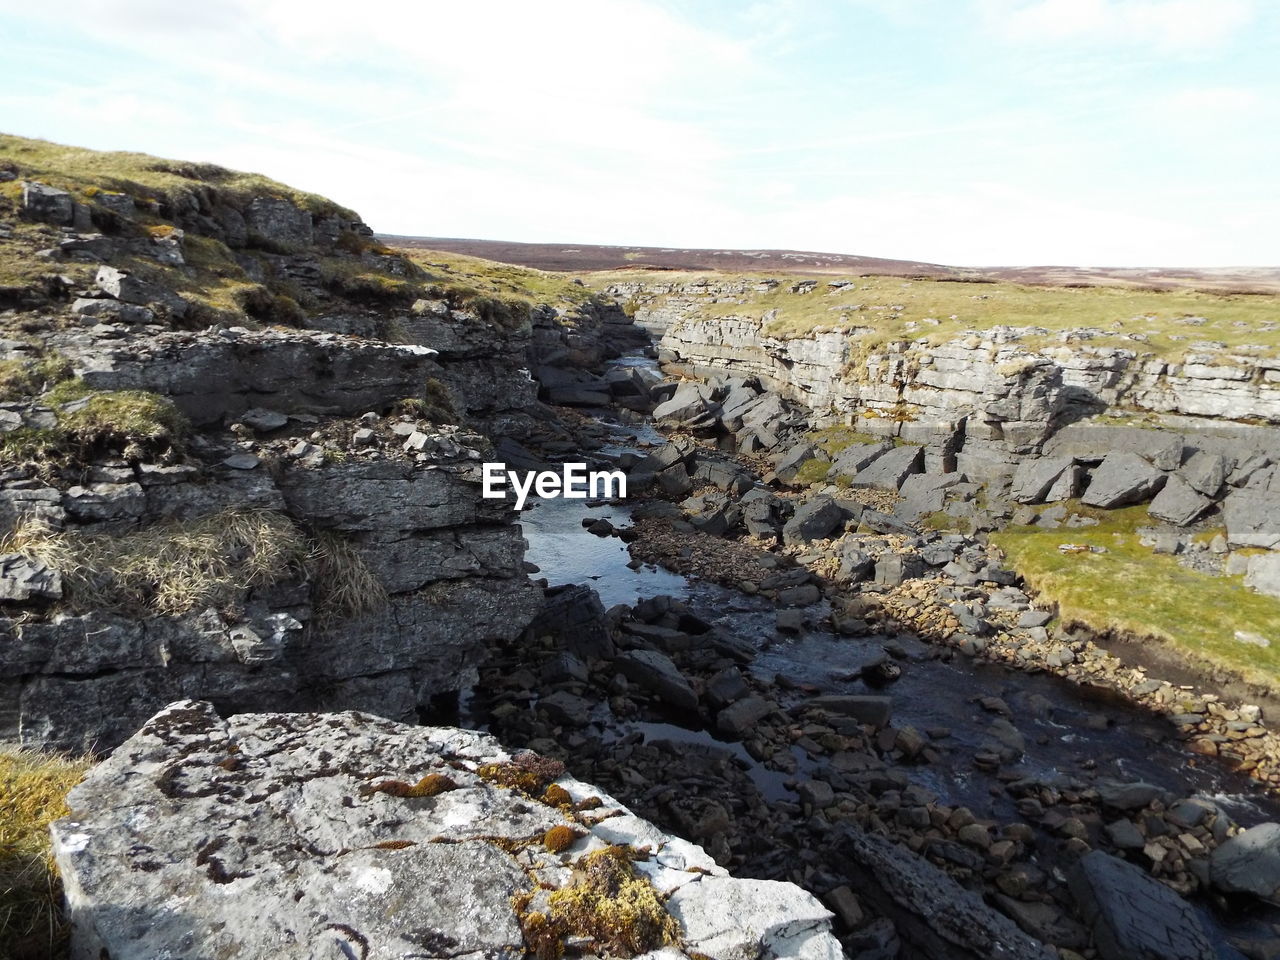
(249, 563)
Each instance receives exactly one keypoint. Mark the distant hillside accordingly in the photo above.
(584, 257)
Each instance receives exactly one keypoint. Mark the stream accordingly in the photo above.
(1071, 732)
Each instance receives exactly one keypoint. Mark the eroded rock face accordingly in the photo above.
(343, 835)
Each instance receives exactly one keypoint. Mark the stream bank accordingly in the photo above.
(780, 744)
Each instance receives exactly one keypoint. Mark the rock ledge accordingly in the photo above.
(346, 835)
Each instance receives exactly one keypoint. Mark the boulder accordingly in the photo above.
(1121, 479)
(933, 914)
(890, 470)
(1252, 519)
(859, 456)
(1134, 916)
(47, 204)
(1179, 503)
(742, 716)
(789, 463)
(1249, 863)
(690, 400)
(656, 673)
(1263, 574)
(23, 579)
(300, 836)
(865, 708)
(815, 519)
(1033, 479)
(1205, 472)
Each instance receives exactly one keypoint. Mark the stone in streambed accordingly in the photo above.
(657, 674)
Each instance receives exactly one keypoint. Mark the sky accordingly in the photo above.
(969, 132)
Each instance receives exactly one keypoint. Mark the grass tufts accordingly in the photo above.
(168, 568)
(345, 586)
(606, 903)
(33, 790)
(1132, 590)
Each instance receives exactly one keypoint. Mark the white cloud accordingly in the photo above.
(1169, 25)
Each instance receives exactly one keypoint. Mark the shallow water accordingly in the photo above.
(1063, 723)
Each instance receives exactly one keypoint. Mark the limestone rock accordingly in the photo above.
(1178, 502)
(47, 204)
(1252, 518)
(1249, 863)
(1134, 916)
(890, 470)
(1263, 574)
(1122, 478)
(340, 835)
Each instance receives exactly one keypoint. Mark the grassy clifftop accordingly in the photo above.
(142, 176)
(1167, 323)
(238, 248)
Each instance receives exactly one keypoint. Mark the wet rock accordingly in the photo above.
(1125, 835)
(1249, 863)
(1121, 479)
(1127, 796)
(726, 687)
(740, 718)
(262, 420)
(1133, 916)
(656, 673)
(575, 615)
(936, 918)
(869, 709)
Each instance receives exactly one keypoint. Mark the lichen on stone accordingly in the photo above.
(429, 786)
(560, 838)
(606, 902)
(527, 772)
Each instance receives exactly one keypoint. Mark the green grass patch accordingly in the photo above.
(834, 439)
(88, 173)
(812, 471)
(501, 280)
(33, 790)
(134, 423)
(1133, 590)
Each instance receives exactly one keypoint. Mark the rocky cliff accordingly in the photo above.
(998, 393)
(241, 445)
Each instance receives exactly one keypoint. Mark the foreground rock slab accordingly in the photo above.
(347, 835)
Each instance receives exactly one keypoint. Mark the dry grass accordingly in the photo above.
(1133, 590)
(33, 789)
(168, 568)
(345, 585)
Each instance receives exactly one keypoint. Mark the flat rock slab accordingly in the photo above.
(1134, 916)
(298, 836)
(1249, 863)
(1121, 479)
